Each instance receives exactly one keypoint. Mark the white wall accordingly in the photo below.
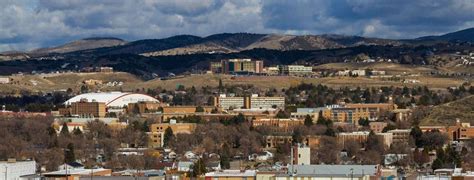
(17, 169)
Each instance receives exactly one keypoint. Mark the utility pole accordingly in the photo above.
(6, 172)
(352, 174)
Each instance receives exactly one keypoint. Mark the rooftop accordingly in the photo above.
(232, 173)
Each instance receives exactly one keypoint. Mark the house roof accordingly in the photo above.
(335, 170)
(232, 173)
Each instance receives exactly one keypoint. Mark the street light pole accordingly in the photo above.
(6, 172)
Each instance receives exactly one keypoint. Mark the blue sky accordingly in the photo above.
(29, 24)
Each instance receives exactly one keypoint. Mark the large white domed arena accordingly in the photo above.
(112, 99)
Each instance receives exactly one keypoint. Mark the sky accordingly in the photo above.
(30, 24)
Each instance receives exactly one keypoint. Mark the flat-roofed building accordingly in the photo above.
(13, 169)
(358, 136)
(231, 175)
(400, 135)
(281, 125)
(143, 107)
(377, 127)
(301, 154)
(295, 70)
(88, 109)
(237, 66)
(333, 172)
(402, 114)
(257, 102)
(187, 109)
(4, 80)
(105, 69)
(230, 102)
(274, 141)
(76, 173)
(459, 131)
(253, 102)
(157, 131)
(301, 113)
(215, 67)
(352, 113)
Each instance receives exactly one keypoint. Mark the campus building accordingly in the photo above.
(301, 154)
(400, 135)
(458, 132)
(143, 107)
(253, 102)
(295, 70)
(351, 113)
(112, 99)
(280, 125)
(157, 131)
(13, 169)
(84, 108)
(256, 102)
(237, 66)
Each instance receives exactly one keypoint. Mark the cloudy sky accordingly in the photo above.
(29, 24)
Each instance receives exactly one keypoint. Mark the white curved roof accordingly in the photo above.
(112, 99)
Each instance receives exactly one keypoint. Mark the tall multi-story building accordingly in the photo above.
(230, 102)
(295, 70)
(232, 66)
(84, 108)
(257, 102)
(157, 131)
(253, 102)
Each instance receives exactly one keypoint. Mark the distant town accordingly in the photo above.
(238, 131)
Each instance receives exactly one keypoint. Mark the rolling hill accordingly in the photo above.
(446, 114)
(79, 45)
(462, 35)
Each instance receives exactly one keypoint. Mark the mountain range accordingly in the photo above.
(185, 53)
(226, 43)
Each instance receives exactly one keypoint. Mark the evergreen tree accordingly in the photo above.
(168, 136)
(308, 121)
(65, 130)
(297, 136)
(199, 109)
(199, 168)
(417, 134)
(330, 132)
(51, 131)
(364, 122)
(321, 120)
(77, 132)
(145, 127)
(221, 86)
(69, 155)
(225, 156)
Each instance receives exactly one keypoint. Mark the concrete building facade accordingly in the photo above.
(157, 132)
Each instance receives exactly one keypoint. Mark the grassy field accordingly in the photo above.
(131, 82)
(446, 114)
(390, 68)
